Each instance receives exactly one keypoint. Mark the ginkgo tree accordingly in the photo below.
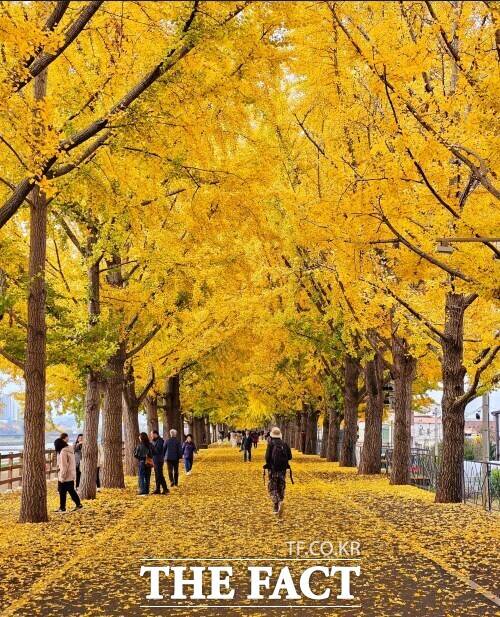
(228, 212)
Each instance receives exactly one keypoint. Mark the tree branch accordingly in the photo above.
(12, 359)
(426, 256)
(135, 350)
(22, 190)
(71, 235)
(43, 61)
(146, 388)
(472, 390)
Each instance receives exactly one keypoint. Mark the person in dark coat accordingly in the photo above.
(172, 454)
(247, 447)
(143, 453)
(278, 455)
(77, 449)
(255, 438)
(157, 448)
(188, 450)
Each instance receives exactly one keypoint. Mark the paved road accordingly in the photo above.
(417, 558)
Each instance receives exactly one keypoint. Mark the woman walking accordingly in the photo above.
(144, 454)
(66, 475)
(188, 450)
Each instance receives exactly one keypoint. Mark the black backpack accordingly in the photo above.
(279, 456)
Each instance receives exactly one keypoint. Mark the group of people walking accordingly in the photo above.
(155, 452)
(151, 453)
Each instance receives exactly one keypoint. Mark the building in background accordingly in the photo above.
(9, 409)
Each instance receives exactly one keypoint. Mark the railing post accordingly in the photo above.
(9, 472)
(488, 476)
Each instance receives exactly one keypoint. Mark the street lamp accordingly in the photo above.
(445, 244)
(444, 247)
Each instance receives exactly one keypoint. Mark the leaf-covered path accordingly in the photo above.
(417, 558)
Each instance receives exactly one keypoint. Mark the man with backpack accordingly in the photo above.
(278, 455)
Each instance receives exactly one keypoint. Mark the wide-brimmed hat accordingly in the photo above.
(275, 432)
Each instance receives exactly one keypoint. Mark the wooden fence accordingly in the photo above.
(11, 466)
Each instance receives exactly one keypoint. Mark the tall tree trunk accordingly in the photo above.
(404, 367)
(371, 456)
(450, 475)
(131, 430)
(88, 485)
(298, 430)
(202, 437)
(112, 471)
(151, 404)
(173, 405)
(332, 448)
(326, 430)
(34, 484)
(351, 401)
(165, 426)
(311, 427)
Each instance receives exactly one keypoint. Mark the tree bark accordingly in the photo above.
(332, 449)
(298, 430)
(371, 456)
(404, 368)
(326, 430)
(131, 430)
(88, 485)
(351, 400)
(311, 426)
(199, 432)
(173, 405)
(450, 474)
(34, 484)
(151, 404)
(112, 470)
(164, 423)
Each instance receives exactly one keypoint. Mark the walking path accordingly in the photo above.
(417, 557)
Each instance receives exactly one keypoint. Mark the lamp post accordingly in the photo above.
(445, 245)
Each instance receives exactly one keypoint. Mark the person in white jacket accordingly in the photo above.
(66, 475)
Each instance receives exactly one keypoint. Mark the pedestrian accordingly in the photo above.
(255, 438)
(66, 475)
(143, 453)
(172, 454)
(188, 450)
(247, 447)
(78, 457)
(278, 455)
(157, 447)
